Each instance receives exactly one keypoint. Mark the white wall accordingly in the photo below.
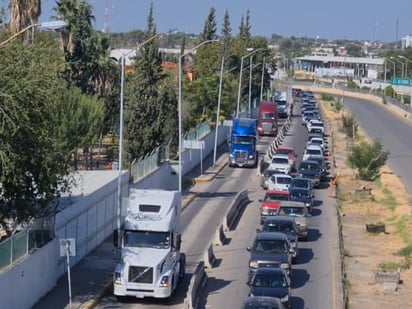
(24, 284)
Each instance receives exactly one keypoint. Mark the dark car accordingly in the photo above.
(310, 169)
(322, 162)
(270, 249)
(286, 225)
(272, 282)
(262, 302)
(302, 195)
(300, 182)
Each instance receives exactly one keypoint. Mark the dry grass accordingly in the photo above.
(388, 204)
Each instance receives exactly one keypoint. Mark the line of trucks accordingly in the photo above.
(151, 262)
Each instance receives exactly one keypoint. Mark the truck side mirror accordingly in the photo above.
(177, 241)
(116, 233)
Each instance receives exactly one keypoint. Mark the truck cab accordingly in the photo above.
(243, 143)
(268, 119)
(151, 263)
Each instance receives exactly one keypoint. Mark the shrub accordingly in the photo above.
(350, 126)
(352, 85)
(368, 159)
(326, 97)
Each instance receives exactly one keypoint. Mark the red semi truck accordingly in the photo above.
(268, 119)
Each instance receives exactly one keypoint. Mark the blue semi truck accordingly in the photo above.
(242, 142)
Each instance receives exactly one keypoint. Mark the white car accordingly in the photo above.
(281, 163)
(312, 150)
(317, 141)
(315, 123)
(279, 182)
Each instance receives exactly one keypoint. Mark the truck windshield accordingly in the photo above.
(267, 116)
(147, 239)
(245, 140)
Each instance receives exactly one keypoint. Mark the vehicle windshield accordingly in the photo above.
(270, 173)
(304, 166)
(284, 151)
(291, 211)
(276, 197)
(269, 281)
(282, 180)
(270, 246)
(283, 227)
(147, 239)
(245, 140)
(300, 183)
(267, 116)
(280, 160)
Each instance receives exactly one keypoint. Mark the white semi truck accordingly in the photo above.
(151, 262)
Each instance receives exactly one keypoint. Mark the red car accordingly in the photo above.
(271, 203)
(290, 151)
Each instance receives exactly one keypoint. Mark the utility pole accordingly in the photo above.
(397, 31)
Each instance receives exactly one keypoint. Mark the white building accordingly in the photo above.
(406, 41)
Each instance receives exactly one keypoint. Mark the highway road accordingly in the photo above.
(393, 130)
(316, 279)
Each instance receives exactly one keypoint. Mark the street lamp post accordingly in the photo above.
(252, 51)
(218, 109)
(261, 79)
(54, 25)
(402, 65)
(120, 165)
(394, 67)
(250, 85)
(406, 64)
(180, 107)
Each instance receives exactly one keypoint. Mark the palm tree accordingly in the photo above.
(24, 13)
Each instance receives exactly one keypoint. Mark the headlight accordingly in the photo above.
(253, 264)
(164, 282)
(265, 211)
(251, 156)
(307, 204)
(117, 278)
(284, 266)
(285, 298)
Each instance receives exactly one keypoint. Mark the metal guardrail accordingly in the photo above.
(40, 232)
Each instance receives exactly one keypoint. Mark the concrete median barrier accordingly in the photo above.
(220, 237)
(209, 257)
(235, 209)
(196, 286)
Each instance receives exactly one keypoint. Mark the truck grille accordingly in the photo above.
(268, 264)
(240, 156)
(141, 274)
(267, 127)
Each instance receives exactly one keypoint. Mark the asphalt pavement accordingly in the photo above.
(91, 278)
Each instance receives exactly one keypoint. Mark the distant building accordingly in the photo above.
(406, 41)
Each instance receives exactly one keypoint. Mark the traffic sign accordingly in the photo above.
(398, 81)
(190, 144)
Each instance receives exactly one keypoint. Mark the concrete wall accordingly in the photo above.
(31, 278)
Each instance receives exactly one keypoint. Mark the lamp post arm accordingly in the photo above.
(17, 34)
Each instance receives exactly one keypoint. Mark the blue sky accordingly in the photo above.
(328, 19)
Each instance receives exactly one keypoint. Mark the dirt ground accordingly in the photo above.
(366, 253)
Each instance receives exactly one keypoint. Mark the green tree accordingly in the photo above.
(209, 29)
(37, 143)
(368, 159)
(143, 130)
(226, 35)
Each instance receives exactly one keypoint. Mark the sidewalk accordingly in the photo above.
(91, 278)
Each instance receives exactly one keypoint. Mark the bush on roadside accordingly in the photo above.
(326, 97)
(368, 159)
(350, 126)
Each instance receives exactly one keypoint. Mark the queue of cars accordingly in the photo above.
(285, 208)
